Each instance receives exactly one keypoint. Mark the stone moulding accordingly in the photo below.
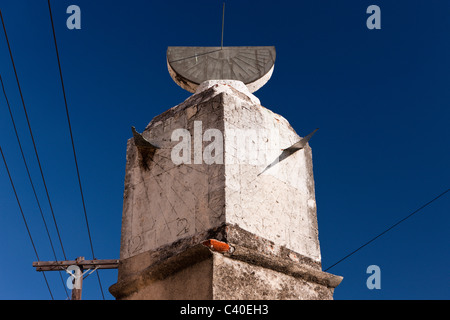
(169, 260)
(285, 266)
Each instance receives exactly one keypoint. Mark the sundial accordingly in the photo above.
(168, 201)
(190, 66)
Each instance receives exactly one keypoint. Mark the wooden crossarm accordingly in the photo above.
(84, 264)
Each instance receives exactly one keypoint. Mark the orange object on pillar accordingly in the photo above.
(216, 245)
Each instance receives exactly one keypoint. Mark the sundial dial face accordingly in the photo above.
(190, 66)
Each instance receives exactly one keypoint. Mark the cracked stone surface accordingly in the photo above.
(166, 202)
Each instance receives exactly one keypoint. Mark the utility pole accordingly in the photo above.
(77, 282)
(77, 266)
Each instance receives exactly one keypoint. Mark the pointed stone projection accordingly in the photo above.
(206, 218)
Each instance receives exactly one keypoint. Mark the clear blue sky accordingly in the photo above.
(381, 99)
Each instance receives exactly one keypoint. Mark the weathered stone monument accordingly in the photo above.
(219, 199)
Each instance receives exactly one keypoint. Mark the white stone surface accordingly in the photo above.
(225, 86)
(273, 205)
(169, 202)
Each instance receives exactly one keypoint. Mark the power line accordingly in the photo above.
(73, 144)
(24, 220)
(31, 133)
(29, 178)
(390, 228)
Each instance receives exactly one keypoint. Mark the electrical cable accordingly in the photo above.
(24, 220)
(31, 133)
(73, 144)
(390, 228)
(29, 178)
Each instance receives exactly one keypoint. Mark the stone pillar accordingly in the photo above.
(214, 213)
